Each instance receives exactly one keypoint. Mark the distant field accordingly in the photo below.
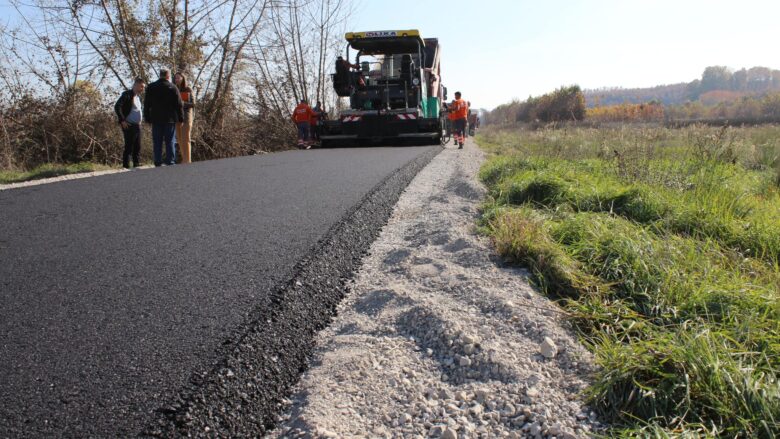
(664, 247)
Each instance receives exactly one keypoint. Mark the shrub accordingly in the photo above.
(81, 127)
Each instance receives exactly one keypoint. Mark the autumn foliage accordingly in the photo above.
(749, 109)
(713, 107)
(561, 105)
(627, 113)
(726, 106)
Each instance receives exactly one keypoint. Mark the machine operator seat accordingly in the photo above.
(407, 76)
(407, 67)
(342, 80)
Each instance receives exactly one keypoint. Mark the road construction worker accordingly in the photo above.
(343, 80)
(317, 116)
(341, 63)
(361, 81)
(467, 131)
(302, 116)
(473, 121)
(459, 111)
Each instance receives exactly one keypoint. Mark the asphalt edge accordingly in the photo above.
(243, 392)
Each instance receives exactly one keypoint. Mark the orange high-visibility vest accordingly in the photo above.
(459, 109)
(302, 113)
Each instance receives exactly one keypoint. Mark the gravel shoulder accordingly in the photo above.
(437, 339)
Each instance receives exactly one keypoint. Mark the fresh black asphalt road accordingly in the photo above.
(114, 290)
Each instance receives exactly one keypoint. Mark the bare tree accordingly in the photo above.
(248, 62)
(48, 57)
(293, 62)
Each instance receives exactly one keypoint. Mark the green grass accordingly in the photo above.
(665, 253)
(738, 207)
(48, 171)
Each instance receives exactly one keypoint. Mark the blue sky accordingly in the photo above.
(497, 50)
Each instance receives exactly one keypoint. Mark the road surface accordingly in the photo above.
(117, 290)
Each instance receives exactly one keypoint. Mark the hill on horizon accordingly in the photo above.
(717, 84)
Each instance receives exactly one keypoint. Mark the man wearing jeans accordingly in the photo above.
(163, 108)
(128, 111)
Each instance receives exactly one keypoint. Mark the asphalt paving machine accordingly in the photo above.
(394, 89)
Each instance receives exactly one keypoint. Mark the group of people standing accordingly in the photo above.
(309, 122)
(168, 107)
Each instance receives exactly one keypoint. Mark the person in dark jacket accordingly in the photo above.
(318, 116)
(129, 110)
(163, 109)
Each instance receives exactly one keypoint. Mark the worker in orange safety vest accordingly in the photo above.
(302, 116)
(459, 111)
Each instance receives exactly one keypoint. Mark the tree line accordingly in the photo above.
(563, 104)
(721, 95)
(714, 80)
(749, 109)
(557, 107)
(64, 62)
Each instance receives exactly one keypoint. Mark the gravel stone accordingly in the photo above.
(437, 430)
(449, 434)
(548, 348)
(435, 338)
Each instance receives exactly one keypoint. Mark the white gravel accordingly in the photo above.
(437, 339)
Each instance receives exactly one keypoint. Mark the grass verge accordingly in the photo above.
(49, 171)
(670, 270)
